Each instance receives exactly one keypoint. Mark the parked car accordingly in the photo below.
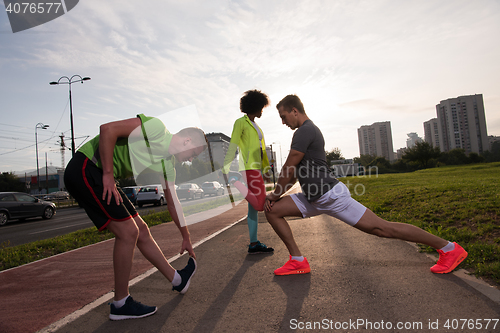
(214, 188)
(59, 195)
(17, 205)
(131, 192)
(151, 194)
(189, 191)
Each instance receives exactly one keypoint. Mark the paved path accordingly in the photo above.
(358, 283)
(36, 295)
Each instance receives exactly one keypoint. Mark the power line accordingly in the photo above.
(14, 125)
(19, 149)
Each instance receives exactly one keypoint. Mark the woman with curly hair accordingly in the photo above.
(253, 162)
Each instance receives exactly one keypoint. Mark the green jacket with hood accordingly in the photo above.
(252, 156)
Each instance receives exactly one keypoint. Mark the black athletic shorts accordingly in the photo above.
(83, 180)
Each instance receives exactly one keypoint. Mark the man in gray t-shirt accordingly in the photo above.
(314, 174)
(323, 194)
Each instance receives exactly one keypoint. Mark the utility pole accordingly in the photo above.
(63, 148)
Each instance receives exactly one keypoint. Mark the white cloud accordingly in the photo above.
(351, 62)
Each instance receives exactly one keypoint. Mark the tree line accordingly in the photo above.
(423, 155)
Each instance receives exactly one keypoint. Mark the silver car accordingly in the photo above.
(151, 194)
(214, 188)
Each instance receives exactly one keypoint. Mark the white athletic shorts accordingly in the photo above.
(337, 203)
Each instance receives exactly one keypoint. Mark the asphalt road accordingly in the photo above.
(65, 221)
(358, 283)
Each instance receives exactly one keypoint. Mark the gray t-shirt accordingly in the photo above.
(313, 172)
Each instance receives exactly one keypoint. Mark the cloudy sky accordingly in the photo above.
(351, 62)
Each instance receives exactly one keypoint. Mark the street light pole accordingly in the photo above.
(281, 156)
(69, 82)
(272, 164)
(42, 126)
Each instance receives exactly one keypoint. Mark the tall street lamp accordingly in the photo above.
(42, 126)
(69, 82)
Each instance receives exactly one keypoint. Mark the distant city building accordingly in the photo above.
(431, 132)
(51, 178)
(462, 124)
(413, 138)
(376, 139)
(400, 152)
(492, 139)
(219, 144)
(271, 155)
(346, 169)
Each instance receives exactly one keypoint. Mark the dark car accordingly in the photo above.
(17, 205)
(214, 188)
(189, 191)
(131, 192)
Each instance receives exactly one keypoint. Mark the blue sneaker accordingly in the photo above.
(186, 274)
(232, 176)
(259, 248)
(130, 310)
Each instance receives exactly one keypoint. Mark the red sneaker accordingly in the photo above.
(294, 267)
(450, 260)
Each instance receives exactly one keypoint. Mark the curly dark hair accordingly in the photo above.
(253, 101)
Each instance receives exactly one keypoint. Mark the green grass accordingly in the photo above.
(458, 203)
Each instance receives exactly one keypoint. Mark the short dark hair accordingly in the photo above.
(253, 101)
(291, 101)
(196, 134)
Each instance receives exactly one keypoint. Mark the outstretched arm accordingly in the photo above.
(287, 177)
(175, 209)
(109, 134)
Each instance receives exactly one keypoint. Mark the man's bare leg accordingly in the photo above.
(372, 224)
(276, 217)
(126, 234)
(149, 248)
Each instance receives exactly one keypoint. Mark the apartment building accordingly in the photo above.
(376, 139)
(219, 144)
(431, 132)
(413, 139)
(462, 124)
